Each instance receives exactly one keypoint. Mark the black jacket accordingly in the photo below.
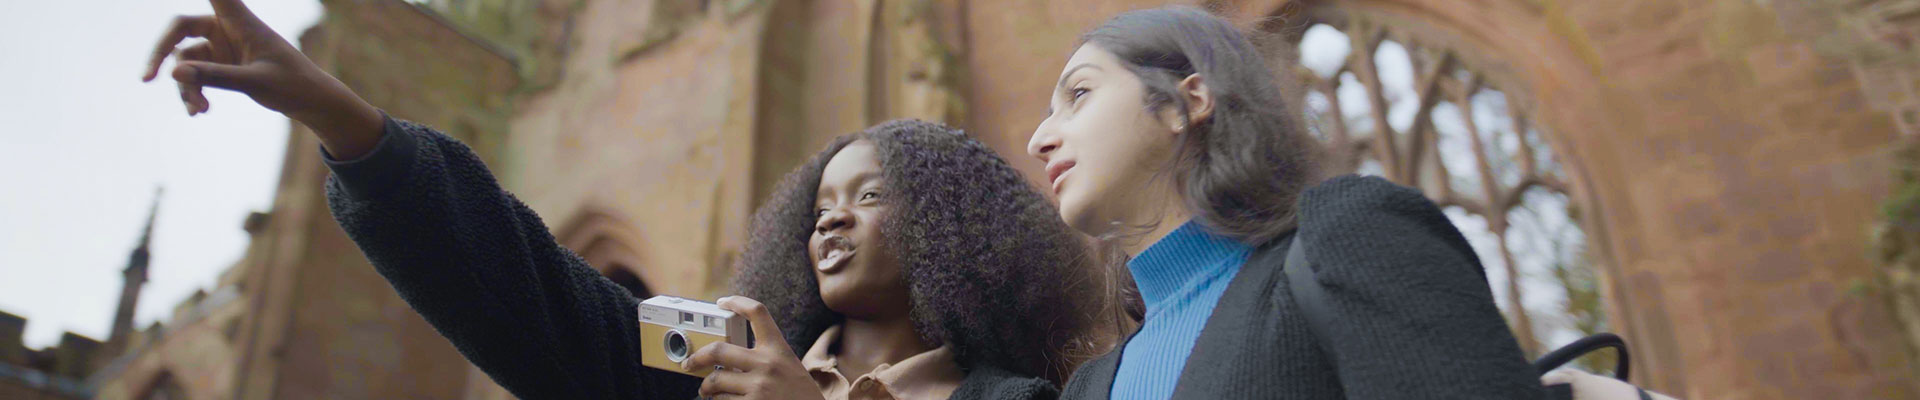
(485, 272)
(1418, 320)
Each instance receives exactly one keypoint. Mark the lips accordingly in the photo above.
(1057, 169)
(834, 252)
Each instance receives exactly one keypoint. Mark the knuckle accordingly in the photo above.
(756, 364)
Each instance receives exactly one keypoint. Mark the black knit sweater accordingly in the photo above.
(1417, 317)
(485, 272)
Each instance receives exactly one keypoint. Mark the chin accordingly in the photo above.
(834, 296)
(839, 304)
(1077, 216)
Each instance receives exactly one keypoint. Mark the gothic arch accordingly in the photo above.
(1508, 46)
(610, 244)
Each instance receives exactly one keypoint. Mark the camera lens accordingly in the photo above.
(676, 346)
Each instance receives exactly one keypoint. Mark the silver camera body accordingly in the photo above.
(672, 328)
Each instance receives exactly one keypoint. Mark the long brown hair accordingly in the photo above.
(1241, 170)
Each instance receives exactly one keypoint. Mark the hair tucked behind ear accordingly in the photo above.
(1241, 170)
(990, 267)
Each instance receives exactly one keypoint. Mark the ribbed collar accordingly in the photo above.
(1187, 254)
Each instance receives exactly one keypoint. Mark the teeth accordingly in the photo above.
(832, 258)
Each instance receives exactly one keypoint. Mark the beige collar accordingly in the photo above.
(929, 375)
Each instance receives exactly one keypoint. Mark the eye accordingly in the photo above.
(869, 195)
(820, 212)
(1078, 93)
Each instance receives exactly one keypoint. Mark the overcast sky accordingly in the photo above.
(85, 143)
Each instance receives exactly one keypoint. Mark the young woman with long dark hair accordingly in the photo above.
(1169, 138)
(907, 261)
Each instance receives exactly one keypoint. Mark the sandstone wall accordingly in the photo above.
(1734, 165)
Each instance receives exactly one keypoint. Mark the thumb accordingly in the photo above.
(766, 332)
(244, 79)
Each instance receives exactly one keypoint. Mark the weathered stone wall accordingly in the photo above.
(321, 322)
(1733, 164)
(196, 354)
(1896, 241)
(662, 145)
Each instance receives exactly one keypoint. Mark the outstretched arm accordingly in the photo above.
(475, 262)
(484, 270)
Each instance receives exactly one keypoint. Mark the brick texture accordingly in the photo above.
(1733, 158)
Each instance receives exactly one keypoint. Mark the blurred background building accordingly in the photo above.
(1729, 184)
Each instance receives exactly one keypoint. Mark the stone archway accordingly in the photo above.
(1479, 127)
(609, 243)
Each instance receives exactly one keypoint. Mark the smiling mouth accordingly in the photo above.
(835, 252)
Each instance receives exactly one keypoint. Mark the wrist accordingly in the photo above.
(348, 129)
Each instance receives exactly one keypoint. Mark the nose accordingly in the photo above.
(834, 219)
(1044, 141)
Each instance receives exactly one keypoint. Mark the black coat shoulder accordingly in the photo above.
(986, 382)
(1369, 226)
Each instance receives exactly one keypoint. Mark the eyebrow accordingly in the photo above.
(866, 177)
(859, 179)
(1063, 77)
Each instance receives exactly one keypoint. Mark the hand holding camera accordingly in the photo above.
(735, 365)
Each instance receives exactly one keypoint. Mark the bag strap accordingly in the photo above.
(1308, 296)
(1585, 345)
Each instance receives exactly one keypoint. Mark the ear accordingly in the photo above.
(1199, 99)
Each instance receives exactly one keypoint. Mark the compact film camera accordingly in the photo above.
(672, 328)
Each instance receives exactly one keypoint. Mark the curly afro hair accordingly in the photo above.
(991, 268)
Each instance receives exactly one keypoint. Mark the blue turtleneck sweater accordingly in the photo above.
(1181, 278)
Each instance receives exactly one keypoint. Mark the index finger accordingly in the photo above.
(233, 9)
(719, 354)
(766, 332)
(182, 28)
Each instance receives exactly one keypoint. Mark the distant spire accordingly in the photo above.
(135, 276)
(152, 213)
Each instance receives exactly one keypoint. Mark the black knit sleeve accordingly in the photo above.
(485, 272)
(1416, 317)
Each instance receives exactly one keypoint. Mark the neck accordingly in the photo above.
(1167, 216)
(876, 341)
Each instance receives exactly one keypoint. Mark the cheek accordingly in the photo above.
(813, 243)
(1108, 153)
(1114, 157)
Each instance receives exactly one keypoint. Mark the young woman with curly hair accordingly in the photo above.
(905, 261)
(913, 229)
(1168, 136)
